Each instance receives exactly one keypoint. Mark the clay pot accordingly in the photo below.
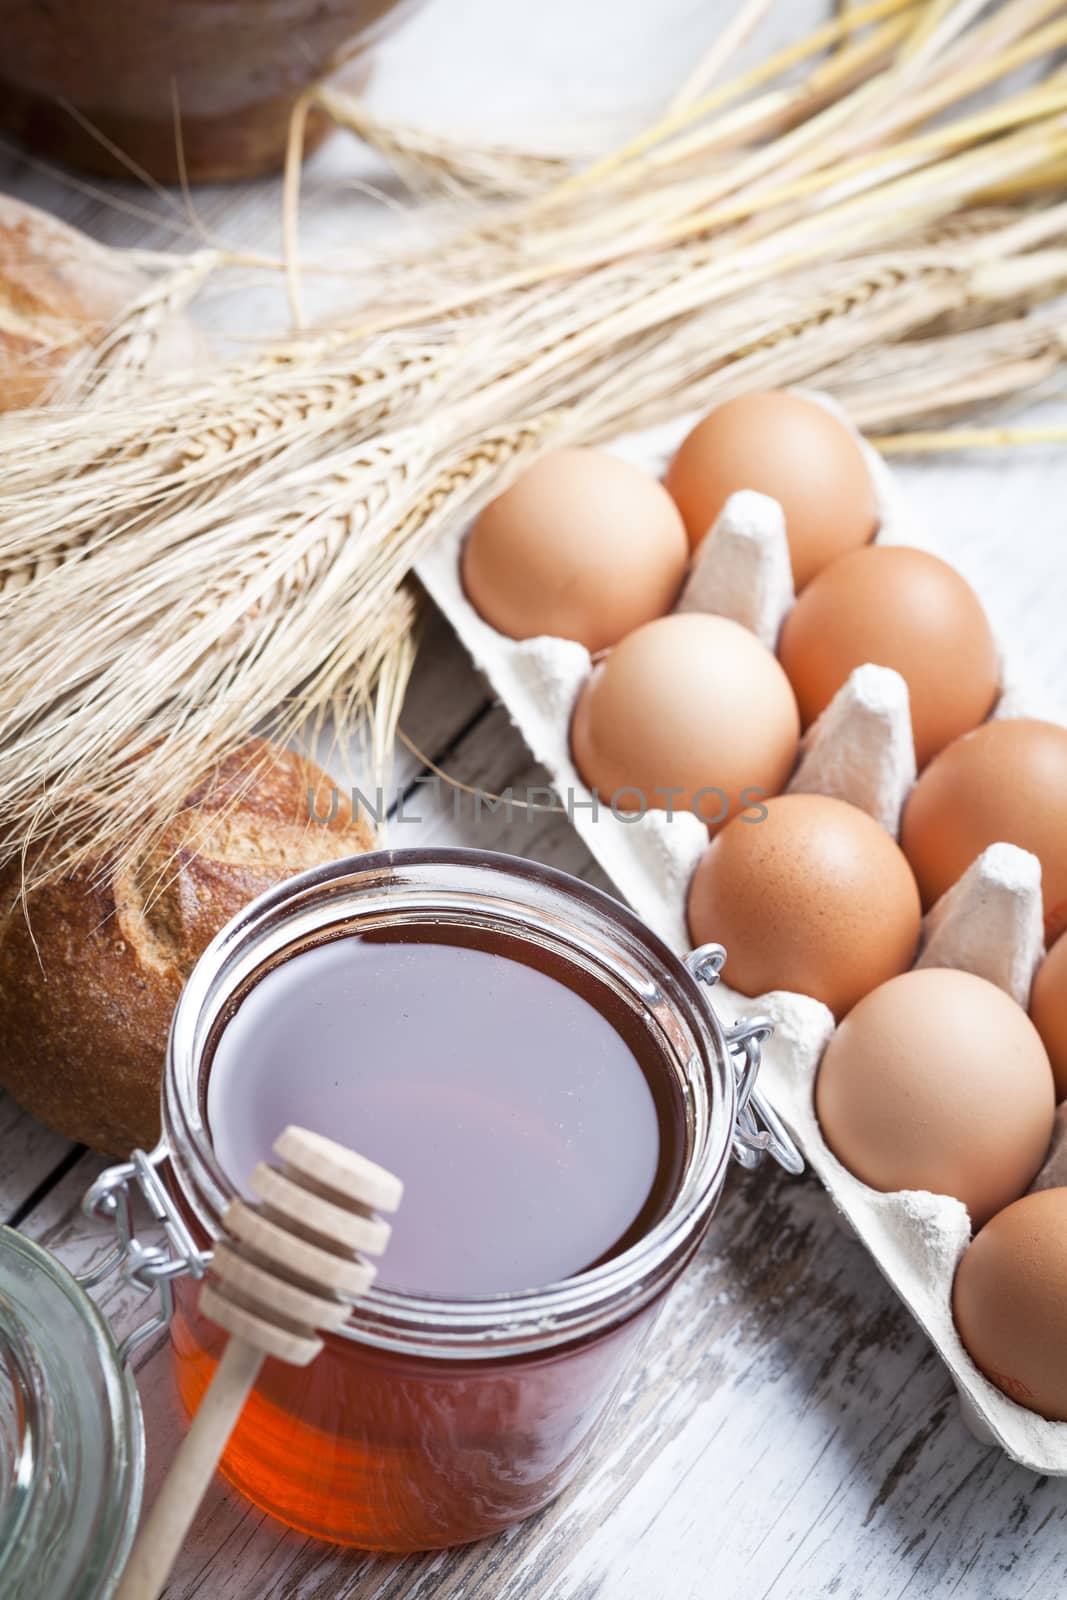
(234, 67)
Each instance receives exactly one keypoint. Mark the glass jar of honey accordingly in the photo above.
(561, 1101)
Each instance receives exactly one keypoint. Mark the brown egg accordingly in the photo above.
(1010, 1302)
(899, 608)
(583, 546)
(689, 703)
(815, 897)
(1006, 781)
(1048, 1010)
(937, 1080)
(791, 449)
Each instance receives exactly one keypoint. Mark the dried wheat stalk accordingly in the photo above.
(183, 559)
(433, 162)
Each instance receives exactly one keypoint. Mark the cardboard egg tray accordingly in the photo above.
(859, 750)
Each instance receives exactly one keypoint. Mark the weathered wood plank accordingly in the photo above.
(29, 1153)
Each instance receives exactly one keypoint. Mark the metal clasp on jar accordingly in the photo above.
(758, 1130)
(147, 1266)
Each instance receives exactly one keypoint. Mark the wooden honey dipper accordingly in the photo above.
(282, 1272)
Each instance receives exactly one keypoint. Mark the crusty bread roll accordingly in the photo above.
(89, 982)
(60, 293)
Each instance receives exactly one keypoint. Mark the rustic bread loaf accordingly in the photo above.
(92, 966)
(60, 293)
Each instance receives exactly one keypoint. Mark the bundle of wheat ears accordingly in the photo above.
(879, 210)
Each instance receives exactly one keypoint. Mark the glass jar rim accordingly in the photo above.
(55, 1338)
(471, 882)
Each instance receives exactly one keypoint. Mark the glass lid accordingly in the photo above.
(71, 1435)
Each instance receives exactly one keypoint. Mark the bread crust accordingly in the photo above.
(61, 293)
(91, 966)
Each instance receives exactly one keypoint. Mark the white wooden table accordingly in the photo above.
(791, 1434)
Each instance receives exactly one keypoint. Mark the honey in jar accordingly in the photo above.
(548, 1082)
(524, 1104)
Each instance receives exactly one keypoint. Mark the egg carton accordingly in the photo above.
(860, 750)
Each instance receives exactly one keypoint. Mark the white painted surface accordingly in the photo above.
(791, 1434)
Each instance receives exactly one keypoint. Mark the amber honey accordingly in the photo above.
(544, 1103)
(375, 1449)
(524, 1104)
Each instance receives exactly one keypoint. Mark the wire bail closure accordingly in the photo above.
(758, 1130)
(148, 1267)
